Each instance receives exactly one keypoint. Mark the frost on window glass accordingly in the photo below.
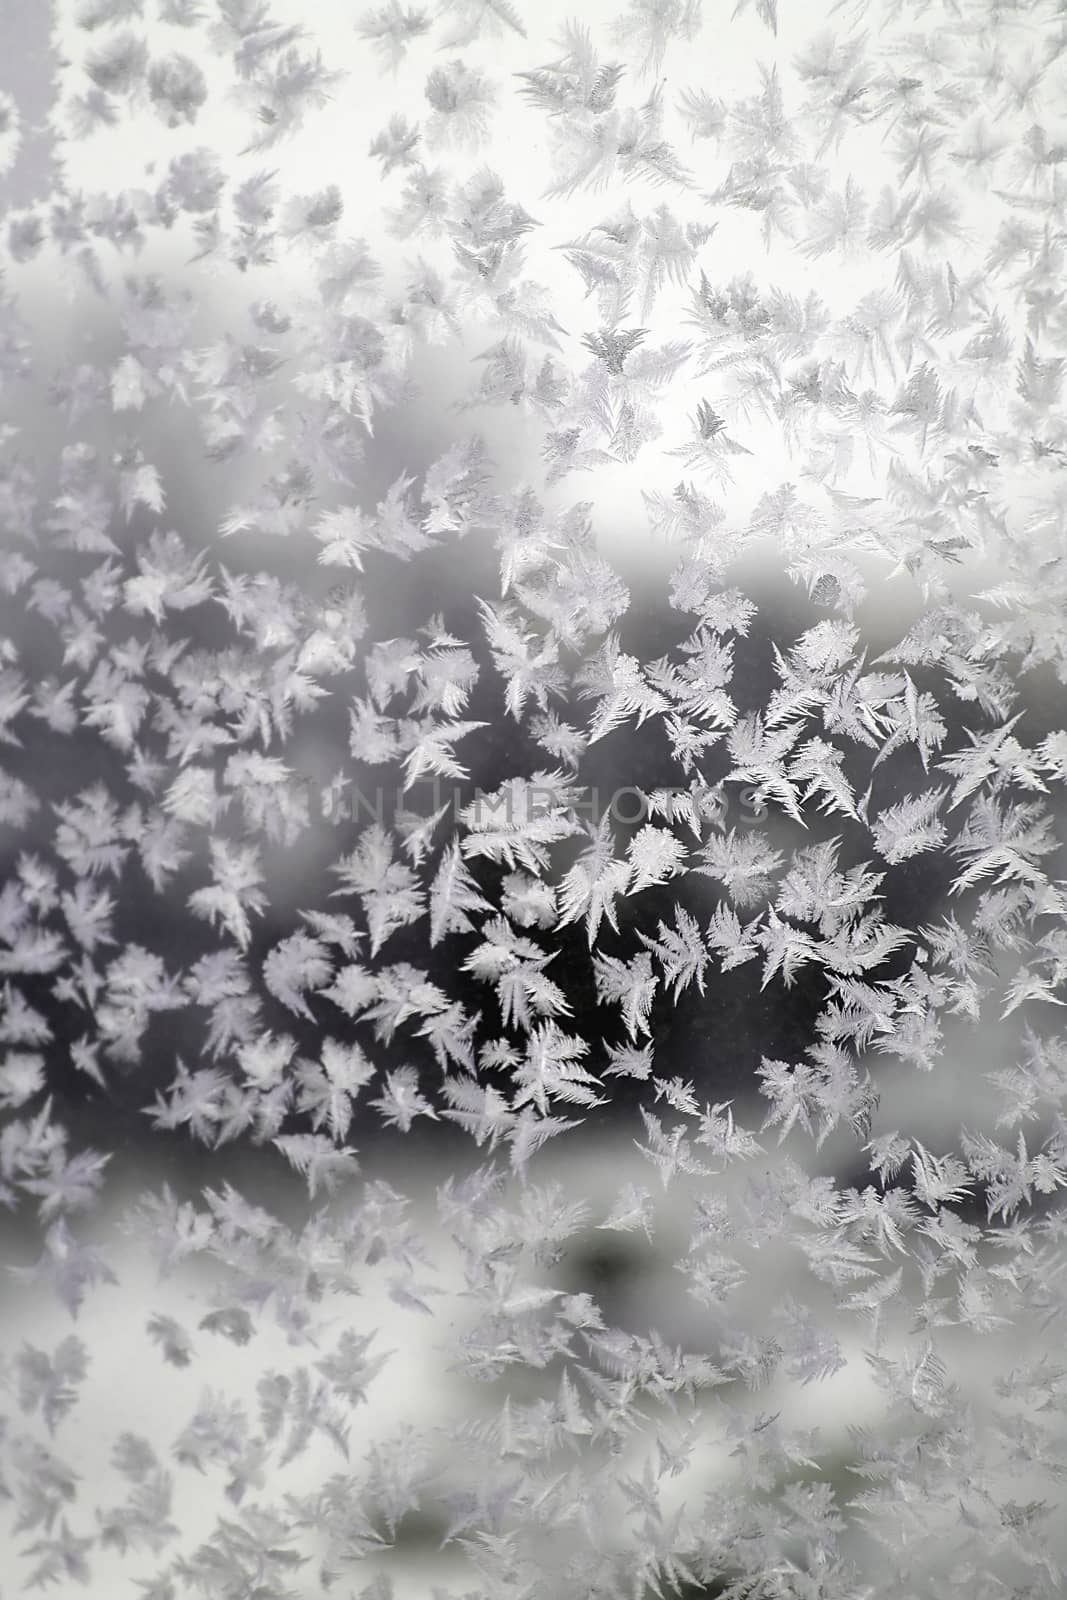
(533, 905)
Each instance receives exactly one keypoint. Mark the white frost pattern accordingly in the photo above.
(785, 293)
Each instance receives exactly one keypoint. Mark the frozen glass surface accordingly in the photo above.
(533, 912)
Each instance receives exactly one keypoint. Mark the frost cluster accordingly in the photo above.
(783, 294)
